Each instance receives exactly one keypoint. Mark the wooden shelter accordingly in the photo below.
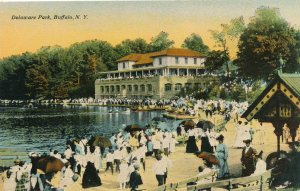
(278, 104)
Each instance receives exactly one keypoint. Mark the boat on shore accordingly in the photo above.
(178, 116)
(147, 108)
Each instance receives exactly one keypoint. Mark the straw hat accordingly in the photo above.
(247, 141)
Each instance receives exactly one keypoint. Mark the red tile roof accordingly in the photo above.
(148, 57)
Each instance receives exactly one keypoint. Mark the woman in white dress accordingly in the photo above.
(239, 136)
(10, 180)
(124, 174)
(67, 176)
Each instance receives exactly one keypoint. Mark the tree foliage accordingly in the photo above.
(267, 38)
(55, 72)
(230, 32)
(132, 46)
(161, 42)
(195, 42)
(215, 60)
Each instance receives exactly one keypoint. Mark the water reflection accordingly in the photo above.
(49, 126)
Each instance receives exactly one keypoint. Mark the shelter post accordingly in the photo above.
(278, 132)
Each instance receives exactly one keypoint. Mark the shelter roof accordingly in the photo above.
(285, 84)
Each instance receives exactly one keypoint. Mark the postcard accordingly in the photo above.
(149, 95)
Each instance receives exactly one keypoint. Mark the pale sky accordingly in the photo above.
(120, 20)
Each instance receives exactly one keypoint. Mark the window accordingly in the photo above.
(160, 61)
(149, 86)
(186, 60)
(136, 88)
(112, 88)
(168, 87)
(143, 89)
(197, 85)
(129, 88)
(188, 85)
(176, 60)
(195, 60)
(178, 87)
(118, 88)
(107, 88)
(102, 89)
(124, 66)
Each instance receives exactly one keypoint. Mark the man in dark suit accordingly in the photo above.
(248, 154)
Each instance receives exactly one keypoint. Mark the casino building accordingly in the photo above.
(156, 75)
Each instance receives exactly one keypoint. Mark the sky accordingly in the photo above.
(114, 21)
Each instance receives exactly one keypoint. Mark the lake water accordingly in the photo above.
(49, 126)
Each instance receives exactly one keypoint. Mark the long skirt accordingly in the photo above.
(191, 146)
(205, 145)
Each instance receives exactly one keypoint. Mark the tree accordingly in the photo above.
(230, 32)
(160, 42)
(195, 42)
(267, 38)
(128, 46)
(215, 60)
(36, 79)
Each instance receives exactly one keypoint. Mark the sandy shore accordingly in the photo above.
(185, 165)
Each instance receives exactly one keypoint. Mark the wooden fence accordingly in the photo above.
(183, 184)
(259, 183)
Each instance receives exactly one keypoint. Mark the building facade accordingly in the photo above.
(156, 75)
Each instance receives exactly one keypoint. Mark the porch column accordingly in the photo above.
(187, 71)
(177, 71)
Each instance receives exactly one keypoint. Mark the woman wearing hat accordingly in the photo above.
(191, 146)
(248, 154)
(222, 155)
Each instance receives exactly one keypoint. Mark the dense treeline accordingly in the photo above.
(56, 72)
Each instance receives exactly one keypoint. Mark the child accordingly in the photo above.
(109, 161)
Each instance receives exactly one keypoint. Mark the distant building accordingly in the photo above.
(157, 75)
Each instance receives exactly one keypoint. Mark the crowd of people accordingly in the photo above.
(128, 151)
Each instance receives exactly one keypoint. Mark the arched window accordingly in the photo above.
(143, 89)
(149, 87)
(112, 88)
(178, 87)
(136, 88)
(188, 86)
(168, 87)
(102, 89)
(129, 88)
(118, 88)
